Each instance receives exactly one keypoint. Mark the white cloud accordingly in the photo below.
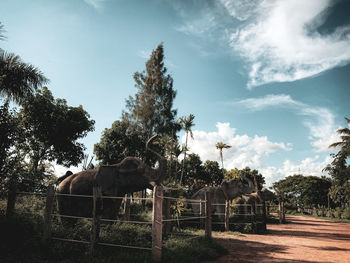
(308, 166)
(245, 151)
(251, 151)
(277, 39)
(97, 4)
(281, 43)
(319, 121)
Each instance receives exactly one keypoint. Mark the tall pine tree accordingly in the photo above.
(151, 111)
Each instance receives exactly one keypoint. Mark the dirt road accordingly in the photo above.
(303, 239)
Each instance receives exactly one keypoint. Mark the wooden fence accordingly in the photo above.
(160, 223)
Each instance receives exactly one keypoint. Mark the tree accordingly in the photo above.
(151, 111)
(17, 79)
(304, 191)
(345, 142)
(339, 169)
(187, 124)
(117, 143)
(252, 175)
(53, 135)
(9, 137)
(213, 175)
(220, 146)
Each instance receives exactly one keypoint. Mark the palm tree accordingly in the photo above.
(220, 146)
(2, 36)
(17, 79)
(187, 124)
(345, 136)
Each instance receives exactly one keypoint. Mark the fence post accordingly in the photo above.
(208, 219)
(201, 213)
(96, 218)
(11, 197)
(264, 215)
(227, 215)
(280, 211)
(127, 207)
(254, 225)
(167, 224)
(157, 223)
(283, 213)
(50, 195)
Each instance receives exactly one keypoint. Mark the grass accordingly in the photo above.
(20, 240)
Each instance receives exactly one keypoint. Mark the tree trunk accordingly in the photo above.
(183, 161)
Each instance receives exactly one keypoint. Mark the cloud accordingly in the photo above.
(278, 40)
(97, 4)
(245, 151)
(252, 152)
(282, 43)
(308, 166)
(319, 121)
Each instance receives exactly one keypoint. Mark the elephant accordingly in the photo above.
(128, 176)
(255, 200)
(228, 190)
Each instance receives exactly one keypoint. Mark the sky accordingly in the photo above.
(270, 78)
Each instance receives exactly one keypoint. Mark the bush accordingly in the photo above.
(346, 213)
(338, 212)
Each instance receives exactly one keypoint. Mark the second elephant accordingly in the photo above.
(228, 190)
(254, 202)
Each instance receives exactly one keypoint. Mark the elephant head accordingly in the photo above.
(131, 174)
(267, 195)
(236, 187)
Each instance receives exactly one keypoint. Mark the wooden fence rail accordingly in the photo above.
(160, 226)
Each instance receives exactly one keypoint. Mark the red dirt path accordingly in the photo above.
(302, 239)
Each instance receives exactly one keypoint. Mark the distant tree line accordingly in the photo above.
(311, 191)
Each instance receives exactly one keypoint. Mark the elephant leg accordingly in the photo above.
(111, 208)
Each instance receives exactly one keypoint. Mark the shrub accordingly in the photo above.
(338, 212)
(346, 213)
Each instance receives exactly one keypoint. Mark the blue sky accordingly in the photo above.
(271, 78)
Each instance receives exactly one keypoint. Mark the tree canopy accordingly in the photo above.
(304, 191)
(118, 142)
(55, 134)
(151, 111)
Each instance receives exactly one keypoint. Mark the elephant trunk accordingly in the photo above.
(161, 171)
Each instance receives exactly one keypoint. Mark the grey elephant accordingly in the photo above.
(228, 190)
(128, 176)
(254, 201)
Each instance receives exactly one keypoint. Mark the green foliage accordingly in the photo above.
(55, 134)
(248, 173)
(119, 142)
(338, 212)
(18, 80)
(339, 169)
(303, 191)
(151, 111)
(346, 213)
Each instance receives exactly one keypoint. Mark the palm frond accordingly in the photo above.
(18, 79)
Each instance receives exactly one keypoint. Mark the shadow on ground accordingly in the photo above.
(249, 251)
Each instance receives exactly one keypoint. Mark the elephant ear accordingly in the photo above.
(107, 177)
(230, 189)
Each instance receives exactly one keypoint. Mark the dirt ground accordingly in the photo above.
(302, 239)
